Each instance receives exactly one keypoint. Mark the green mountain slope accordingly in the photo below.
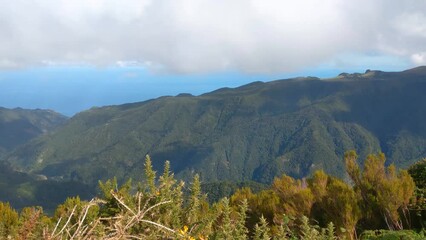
(253, 132)
(18, 126)
(23, 189)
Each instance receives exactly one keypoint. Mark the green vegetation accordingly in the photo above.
(321, 207)
(263, 161)
(392, 235)
(418, 205)
(23, 189)
(251, 133)
(18, 126)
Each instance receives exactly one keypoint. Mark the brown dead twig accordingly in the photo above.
(118, 227)
(78, 230)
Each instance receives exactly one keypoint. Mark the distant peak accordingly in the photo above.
(349, 75)
(421, 70)
(184, 95)
(368, 73)
(371, 73)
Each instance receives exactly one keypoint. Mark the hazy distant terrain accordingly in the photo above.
(253, 132)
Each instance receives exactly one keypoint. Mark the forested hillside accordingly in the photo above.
(18, 126)
(22, 189)
(253, 132)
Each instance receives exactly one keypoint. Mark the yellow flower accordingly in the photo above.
(184, 230)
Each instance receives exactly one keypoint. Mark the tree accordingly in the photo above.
(261, 230)
(384, 192)
(418, 172)
(330, 232)
(32, 223)
(169, 189)
(194, 206)
(308, 232)
(150, 175)
(295, 195)
(111, 207)
(226, 228)
(240, 231)
(72, 211)
(197, 215)
(283, 231)
(341, 205)
(318, 184)
(8, 220)
(265, 204)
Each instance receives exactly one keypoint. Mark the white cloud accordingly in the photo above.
(419, 58)
(208, 35)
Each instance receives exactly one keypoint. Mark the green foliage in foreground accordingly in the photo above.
(392, 235)
(318, 208)
(418, 172)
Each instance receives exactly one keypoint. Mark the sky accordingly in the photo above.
(72, 55)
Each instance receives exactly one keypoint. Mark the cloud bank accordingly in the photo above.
(198, 36)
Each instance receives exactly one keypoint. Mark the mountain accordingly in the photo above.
(18, 126)
(22, 189)
(253, 132)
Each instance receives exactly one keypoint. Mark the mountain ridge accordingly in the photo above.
(253, 132)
